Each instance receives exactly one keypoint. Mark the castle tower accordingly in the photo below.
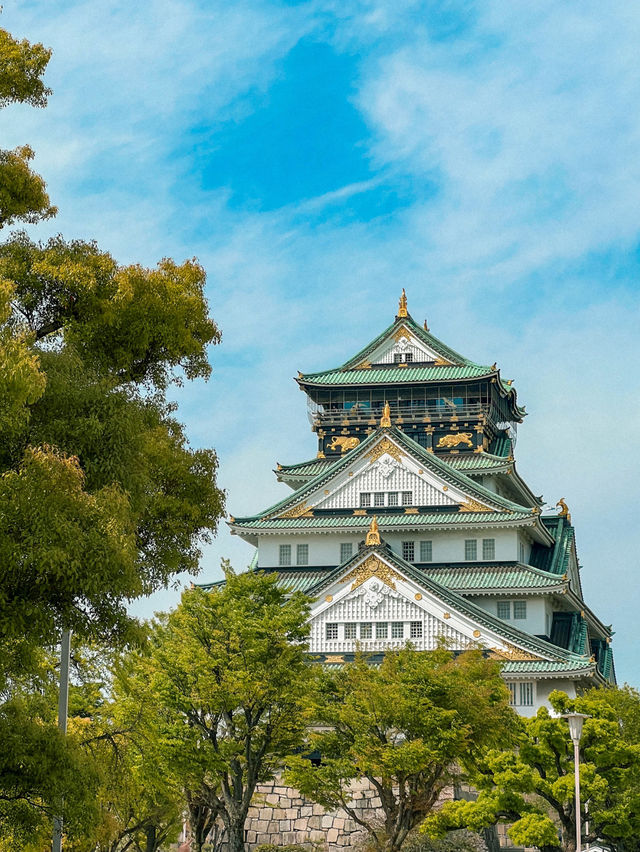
(412, 523)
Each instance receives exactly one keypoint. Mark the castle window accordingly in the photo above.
(350, 630)
(397, 357)
(470, 549)
(526, 694)
(488, 548)
(302, 554)
(415, 630)
(519, 609)
(504, 610)
(331, 630)
(521, 555)
(408, 550)
(381, 630)
(521, 694)
(365, 499)
(397, 629)
(407, 498)
(346, 551)
(284, 554)
(365, 630)
(378, 498)
(426, 551)
(408, 356)
(392, 498)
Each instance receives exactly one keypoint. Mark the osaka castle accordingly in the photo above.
(411, 522)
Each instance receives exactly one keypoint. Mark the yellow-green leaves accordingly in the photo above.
(22, 64)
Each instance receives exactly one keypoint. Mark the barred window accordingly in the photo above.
(521, 555)
(346, 551)
(526, 694)
(302, 554)
(397, 629)
(407, 498)
(397, 357)
(381, 630)
(488, 548)
(415, 630)
(350, 630)
(408, 550)
(378, 498)
(284, 557)
(470, 549)
(504, 610)
(519, 609)
(426, 551)
(513, 693)
(365, 630)
(365, 499)
(392, 498)
(408, 356)
(331, 630)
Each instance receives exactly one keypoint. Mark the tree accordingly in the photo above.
(411, 727)
(227, 677)
(23, 195)
(101, 498)
(532, 786)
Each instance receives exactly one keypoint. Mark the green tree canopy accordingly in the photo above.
(411, 727)
(227, 678)
(532, 785)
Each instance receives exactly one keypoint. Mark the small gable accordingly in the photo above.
(402, 346)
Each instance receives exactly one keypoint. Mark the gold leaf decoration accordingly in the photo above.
(384, 447)
(400, 333)
(474, 506)
(372, 567)
(510, 652)
(363, 365)
(299, 511)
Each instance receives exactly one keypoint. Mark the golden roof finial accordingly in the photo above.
(564, 510)
(425, 326)
(385, 420)
(373, 536)
(402, 306)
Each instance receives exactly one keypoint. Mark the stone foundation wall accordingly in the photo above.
(280, 815)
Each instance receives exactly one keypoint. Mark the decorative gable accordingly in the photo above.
(403, 346)
(376, 606)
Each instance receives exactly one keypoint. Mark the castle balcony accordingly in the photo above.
(359, 414)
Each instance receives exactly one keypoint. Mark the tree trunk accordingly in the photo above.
(151, 844)
(236, 836)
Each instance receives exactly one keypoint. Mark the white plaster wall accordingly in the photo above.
(542, 689)
(373, 478)
(384, 353)
(447, 546)
(537, 608)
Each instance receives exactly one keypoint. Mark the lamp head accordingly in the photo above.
(575, 721)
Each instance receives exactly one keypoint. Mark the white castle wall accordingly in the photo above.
(538, 611)
(324, 549)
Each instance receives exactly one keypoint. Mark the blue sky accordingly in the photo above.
(319, 156)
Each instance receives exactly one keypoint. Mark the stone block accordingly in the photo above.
(318, 809)
(327, 821)
(306, 810)
(317, 836)
(332, 835)
(273, 798)
(301, 824)
(251, 837)
(284, 825)
(338, 823)
(315, 821)
(262, 825)
(291, 813)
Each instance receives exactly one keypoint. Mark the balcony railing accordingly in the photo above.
(363, 414)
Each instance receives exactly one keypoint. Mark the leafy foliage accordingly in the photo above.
(532, 786)
(227, 679)
(409, 727)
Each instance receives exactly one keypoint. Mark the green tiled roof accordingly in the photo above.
(573, 664)
(478, 461)
(304, 470)
(470, 578)
(386, 522)
(429, 460)
(396, 375)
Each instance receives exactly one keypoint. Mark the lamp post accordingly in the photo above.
(576, 721)
(63, 705)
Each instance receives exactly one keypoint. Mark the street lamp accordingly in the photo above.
(576, 721)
